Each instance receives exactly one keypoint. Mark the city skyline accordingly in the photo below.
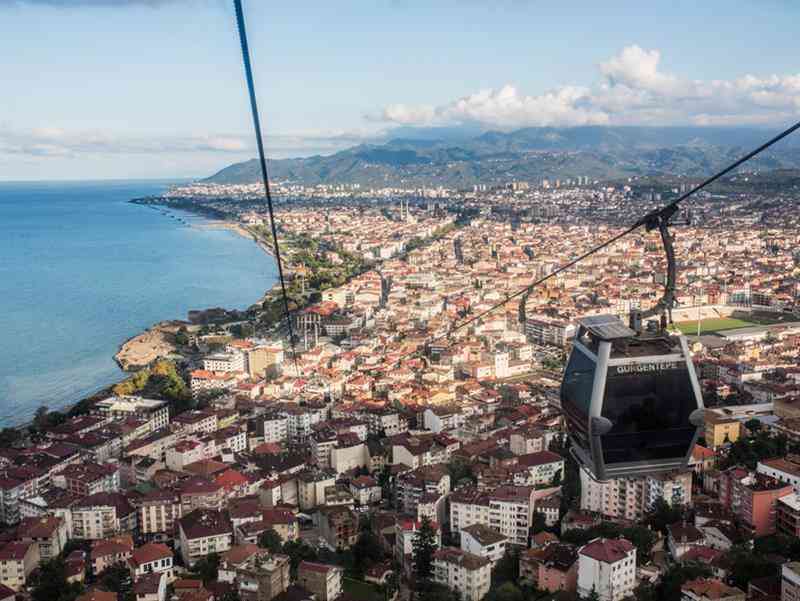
(164, 97)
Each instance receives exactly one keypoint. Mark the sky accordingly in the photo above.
(105, 89)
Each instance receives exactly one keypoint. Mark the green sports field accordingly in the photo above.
(719, 324)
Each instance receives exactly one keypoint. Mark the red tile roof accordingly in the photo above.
(607, 550)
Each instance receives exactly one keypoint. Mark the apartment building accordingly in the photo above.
(547, 331)
(85, 479)
(102, 515)
(323, 580)
(156, 413)
(753, 498)
(262, 576)
(542, 467)
(225, 362)
(17, 560)
(339, 527)
(632, 498)
(783, 469)
(507, 509)
(552, 568)
(159, 511)
(608, 567)
(790, 581)
(483, 541)
(196, 422)
(462, 571)
(273, 428)
(152, 558)
(386, 422)
(49, 533)
(721, 430)
(202, 381)
(17, 484)
(710, 589)
(203, 531)
(107, 552)
(527, 440)
(413, 485)
(787, 518)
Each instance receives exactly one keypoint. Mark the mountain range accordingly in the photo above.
(454, 159)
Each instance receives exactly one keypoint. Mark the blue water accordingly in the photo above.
(82, 270)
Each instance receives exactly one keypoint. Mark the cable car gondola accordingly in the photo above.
(631, 398)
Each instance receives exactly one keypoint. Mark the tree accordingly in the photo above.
(507, 591)
(424, 546)
(669, 587)
(366, 551)
(663, 514)
(270, 540)
(753, 425)
(507, 568)
(207, 568)
(49, 582)
(433, 591)
(182, 336)
(746, 565)
(642, 538)
(117, 578)
(460, 469)
(645, 592)
(298, 551)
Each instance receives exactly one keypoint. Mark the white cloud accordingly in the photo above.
(49, 141)
(632, 89)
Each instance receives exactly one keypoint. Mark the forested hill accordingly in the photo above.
(528, 154)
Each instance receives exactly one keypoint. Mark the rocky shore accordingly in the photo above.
(143, 349)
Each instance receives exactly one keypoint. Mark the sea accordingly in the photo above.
(82, 270)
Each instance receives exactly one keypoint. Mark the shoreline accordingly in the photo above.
(140, 350)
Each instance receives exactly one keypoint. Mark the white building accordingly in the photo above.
(276, 427)
(783, 469)
(225, 362)
(123, 407)
(204, 531)
(483, 541)
(542, 467)
(464, 572)
(152, 558)
(607, 566)
(507, 509)
(631, 498)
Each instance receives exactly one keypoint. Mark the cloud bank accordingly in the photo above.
(632, 90)
(57, 142)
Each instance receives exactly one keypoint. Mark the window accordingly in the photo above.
(576, 390)
(650, 415)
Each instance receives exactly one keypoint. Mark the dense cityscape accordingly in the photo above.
(407, 444)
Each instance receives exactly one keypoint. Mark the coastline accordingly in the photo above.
(140, 350)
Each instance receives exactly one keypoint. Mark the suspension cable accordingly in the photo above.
(248, 71)
(666, 211)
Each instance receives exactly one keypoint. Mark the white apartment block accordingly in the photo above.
(607, 566)
(507, 509)
(225, 362)
(483, 541)
(464, 572)
(276, 428)
(782, 469)
(631, 498)
(123, 407)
